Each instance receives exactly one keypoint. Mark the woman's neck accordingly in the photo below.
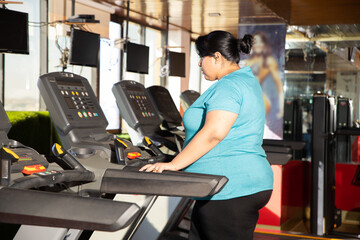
(226, 70)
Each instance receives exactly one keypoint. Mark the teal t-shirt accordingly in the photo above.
(239, 156)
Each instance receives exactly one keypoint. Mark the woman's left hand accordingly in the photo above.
(158, 167)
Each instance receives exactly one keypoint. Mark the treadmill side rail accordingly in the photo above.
(29, 207)
(168, 183)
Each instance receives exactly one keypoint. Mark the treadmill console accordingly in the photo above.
(26, 156)
(71, 99)
(188, 97)
(76, 113)
(136, 107)
(165, 105)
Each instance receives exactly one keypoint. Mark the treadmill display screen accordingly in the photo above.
(70, 82)
(69, 103)
(165, 104)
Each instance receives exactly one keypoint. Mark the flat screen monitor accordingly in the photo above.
(137, 59)
(84, 48)
(14, 32)
(176, 64)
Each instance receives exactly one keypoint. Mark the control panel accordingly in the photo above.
(71, 101)
(76, 113)
(25, 156)
(166, 107)
(188, 97)
(136, 107)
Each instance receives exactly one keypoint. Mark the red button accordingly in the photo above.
(133, 155)
(33, 169)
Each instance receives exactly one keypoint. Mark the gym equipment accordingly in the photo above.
(323, 165)
(343, 121)
(76, 114)
(279, 152)
(181, 184)
(80, 122)
(331, 122)
(169, 114)
(21, 206)
(26, 155)
(85, 133)
(188, 97)
(141, 115)
(292, 120)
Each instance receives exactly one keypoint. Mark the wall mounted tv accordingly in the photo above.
(137, 58)
(14, 31)
(176, 64)
(84, 49)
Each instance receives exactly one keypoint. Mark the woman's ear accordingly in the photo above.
(217, 57)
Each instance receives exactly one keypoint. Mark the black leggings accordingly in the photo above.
(227, 219)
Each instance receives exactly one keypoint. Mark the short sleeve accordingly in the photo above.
(225, 96)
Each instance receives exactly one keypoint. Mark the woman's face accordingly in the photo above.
(209, 68)
(258, 45)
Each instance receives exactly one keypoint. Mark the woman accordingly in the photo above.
(264, 65)
(224, 131)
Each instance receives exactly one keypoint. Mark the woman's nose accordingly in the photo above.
(199, 64)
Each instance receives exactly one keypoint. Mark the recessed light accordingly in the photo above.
(214, 14)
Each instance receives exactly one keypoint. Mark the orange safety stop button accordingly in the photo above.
(133, 155)
(33, 169)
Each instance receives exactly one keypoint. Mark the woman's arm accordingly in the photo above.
(217, 125)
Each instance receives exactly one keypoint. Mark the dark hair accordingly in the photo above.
(224, 43)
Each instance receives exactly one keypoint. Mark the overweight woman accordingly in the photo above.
(224, 132)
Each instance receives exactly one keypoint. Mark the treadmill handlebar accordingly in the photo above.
(66, 160)
(19, 206)
(158, 153)
(168, 183)
(49, 178)
(120, 147)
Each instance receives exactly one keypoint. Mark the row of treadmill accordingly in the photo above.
(71, 194)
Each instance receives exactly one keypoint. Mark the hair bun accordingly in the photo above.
(246, 43)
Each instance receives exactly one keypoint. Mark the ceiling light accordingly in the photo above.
(214, 14)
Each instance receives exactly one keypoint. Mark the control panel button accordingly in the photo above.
(133, 155)
(33, 169)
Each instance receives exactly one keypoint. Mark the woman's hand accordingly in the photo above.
(159, 167)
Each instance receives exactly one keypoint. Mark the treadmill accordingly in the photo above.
(188, 97)
(23, 168)
(86, 134)
(141, 115)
